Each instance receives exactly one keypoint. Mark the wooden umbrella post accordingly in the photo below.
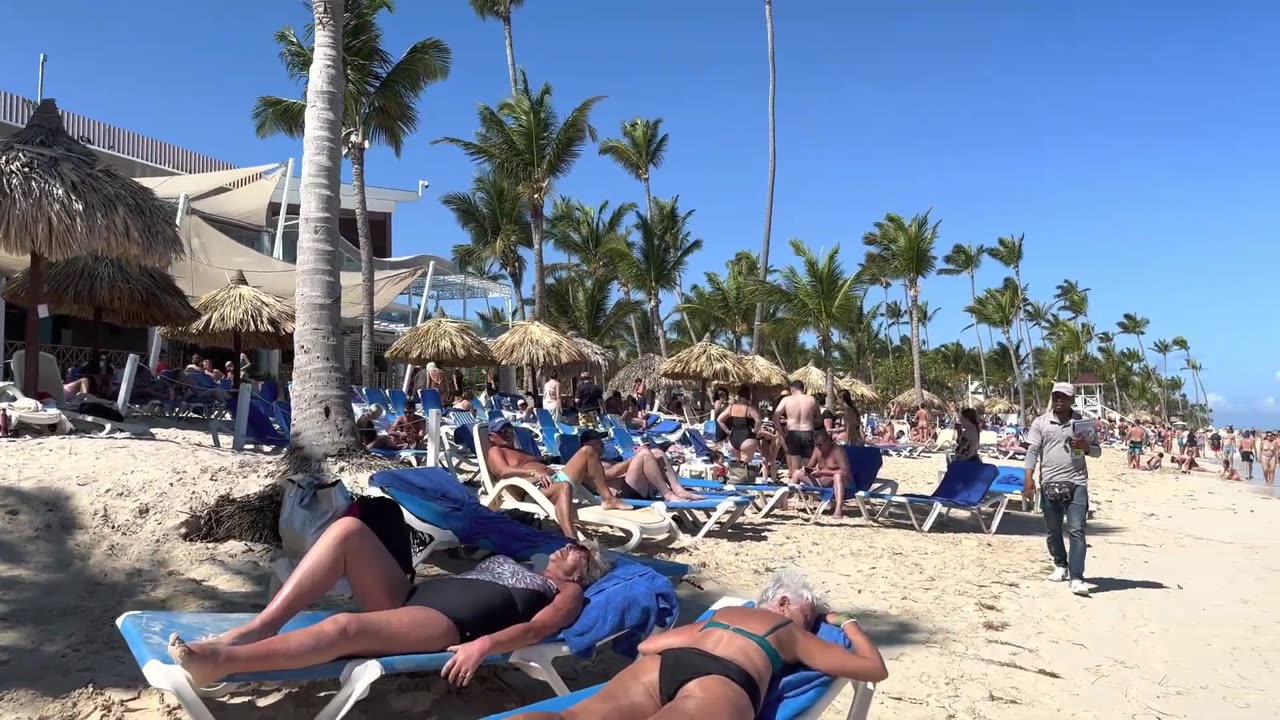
(31, 356)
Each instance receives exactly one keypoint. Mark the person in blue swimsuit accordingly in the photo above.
(720, 668)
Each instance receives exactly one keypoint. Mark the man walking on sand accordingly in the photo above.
(1136, 437)
(797, 413)
(1058, 442)
(1247, 442)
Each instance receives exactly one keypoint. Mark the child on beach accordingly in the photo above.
(1228, 472)
(1156, 462)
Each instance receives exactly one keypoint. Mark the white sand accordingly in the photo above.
(1180, 626)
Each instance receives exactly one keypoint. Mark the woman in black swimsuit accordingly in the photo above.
(720, 668)
(738, 422)
(495, 608)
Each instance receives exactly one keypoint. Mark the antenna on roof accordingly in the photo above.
(40, 78)
(423, 185)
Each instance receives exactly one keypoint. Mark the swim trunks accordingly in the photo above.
(560, 477)
(1135, 447)
(1246, 455)
(799, 443)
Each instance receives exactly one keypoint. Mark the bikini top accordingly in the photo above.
(770, 652)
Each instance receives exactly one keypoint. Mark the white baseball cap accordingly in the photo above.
(1065, 388)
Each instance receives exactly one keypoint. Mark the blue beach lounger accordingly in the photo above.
(964, 486)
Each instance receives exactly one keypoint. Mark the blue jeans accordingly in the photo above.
(1074, 512)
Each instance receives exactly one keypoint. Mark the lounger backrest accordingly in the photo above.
(48, 379)
(357, 395)
(375, 396)
(966, 482)
(526, 442)
(988, 437)
(623, 441)
(398, 399)
(544, 419)
(569, 445)
(865, 463)
(283, 417)
(259, 425)
(430, 398)
(697, 442)
(480, 438)
(495, 415)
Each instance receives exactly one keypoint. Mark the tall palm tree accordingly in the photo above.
(525, 141)
(587, 235)
(584, 304)
(653, 262)
(903, 250)
(927, 316)
(1162, 348)
(1000, 308)
(639, 150)
(1180, 343)
(817, 295)
(725, 302)
(501, 9)
(1135, 325)
(380, 108)
(773, 157)
(323, 425)
(965, 260)
(1008, 251)
(493, 215)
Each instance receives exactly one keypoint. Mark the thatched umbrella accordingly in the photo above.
(908, 399)
(598, 357)
(58, 200)
(530, 343)
(999, 406)
(239, 316)
(643, 368)
(442, 340)
(815, 380)
(764, 374)
(706, 361)
(110, 290)
(858, 390)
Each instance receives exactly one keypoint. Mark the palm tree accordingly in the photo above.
(965, 260)
(381, 95)
(588, 235)
(927, 316)
(1000, 309)
(493, 215)
(584, 304)
(1135, 325)
(725, 302)
(501, 9)
(640, 149)
(490, 320)
(903, 250)
(1163, 348)
(1180, 343)
(654, 262)
(819, 296)
(773, 157)
(323, 425)
(525, 141)
(1008, 252)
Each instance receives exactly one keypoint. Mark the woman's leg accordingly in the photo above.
(404, 630)
(631, 695)
(347, 548)
(585, 468)
(561, 495)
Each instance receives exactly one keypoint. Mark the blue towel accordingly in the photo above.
(630, 599)
(797, 688)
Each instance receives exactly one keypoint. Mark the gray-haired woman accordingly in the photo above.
(720, 668)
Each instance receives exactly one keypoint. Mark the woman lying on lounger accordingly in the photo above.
(720, 668)
(496, 608)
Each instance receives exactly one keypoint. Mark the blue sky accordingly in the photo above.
(1133, 143)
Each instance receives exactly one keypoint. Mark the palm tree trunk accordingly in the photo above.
(635, 327)
(1017, 377)
(888, 336)
(366, 264)
(519, 300)
(648, 198)
(913, 295)
(1021, 326)
(773, 155)
(829, 376)
(977, 332)
(659, 332)
(511, 52)
(536, 219)
(680, 297)
(322, 422)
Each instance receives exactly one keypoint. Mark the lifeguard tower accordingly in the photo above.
(1088, 397)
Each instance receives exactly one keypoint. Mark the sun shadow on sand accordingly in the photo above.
(1106, 584)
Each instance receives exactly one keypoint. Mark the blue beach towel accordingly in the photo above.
(630, 599)
(797, 687)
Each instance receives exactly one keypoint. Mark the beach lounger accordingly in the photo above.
(640, 524)
(1009, 482)
(429, 398)
(795, 693)
(965, 487)
(398, 398)
(375, 396)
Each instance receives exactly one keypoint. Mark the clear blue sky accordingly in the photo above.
(1133, 142)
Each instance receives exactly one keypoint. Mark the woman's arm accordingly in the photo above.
(720, 421)
(863, 662)
(468, 656)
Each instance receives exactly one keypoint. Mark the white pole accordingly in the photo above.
(277, 250)
(242, 416)
(40, 78)
(153, 352)
(126, 384)
(464, 297)
(422, 314)
(433, 437)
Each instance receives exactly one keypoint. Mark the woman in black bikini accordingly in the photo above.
(720, 668)
(496, 608)
(738, 422)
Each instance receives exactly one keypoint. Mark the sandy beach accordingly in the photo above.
(1180, 624)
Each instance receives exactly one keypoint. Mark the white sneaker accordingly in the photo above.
(1058, 575)
(1079, 588)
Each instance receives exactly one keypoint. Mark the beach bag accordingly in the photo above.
(309, 507)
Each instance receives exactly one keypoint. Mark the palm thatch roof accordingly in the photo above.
(998, 405)
(110, 290)
(858, 390)
(536, 344)
(643, 368)
(705, 361)
(239, 316)
(59, 200)
(813, 378)
(442, 340)
(764, 373)
(599, 357)
(908, 398)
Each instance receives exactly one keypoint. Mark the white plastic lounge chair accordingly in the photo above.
(858, 708)
(639, 524)
(50, 383)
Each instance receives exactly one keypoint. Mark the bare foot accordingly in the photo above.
(615, 505)
(199, 665)
(691, 496)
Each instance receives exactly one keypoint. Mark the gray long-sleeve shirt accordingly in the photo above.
(1049, 444)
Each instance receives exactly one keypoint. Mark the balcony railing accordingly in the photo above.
(69, 356)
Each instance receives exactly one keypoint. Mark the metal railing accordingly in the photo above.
(69, 356)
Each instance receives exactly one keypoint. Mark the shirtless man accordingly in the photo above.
(506, 461)
(922, 425)
(828, 467)
(1269, 449)
(408, 429)
(1136, 437)
(797, 413)
(1229, 443)
(1247, 442)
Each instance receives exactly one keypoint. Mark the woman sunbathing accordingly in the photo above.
(496, 608)
(720, 668)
